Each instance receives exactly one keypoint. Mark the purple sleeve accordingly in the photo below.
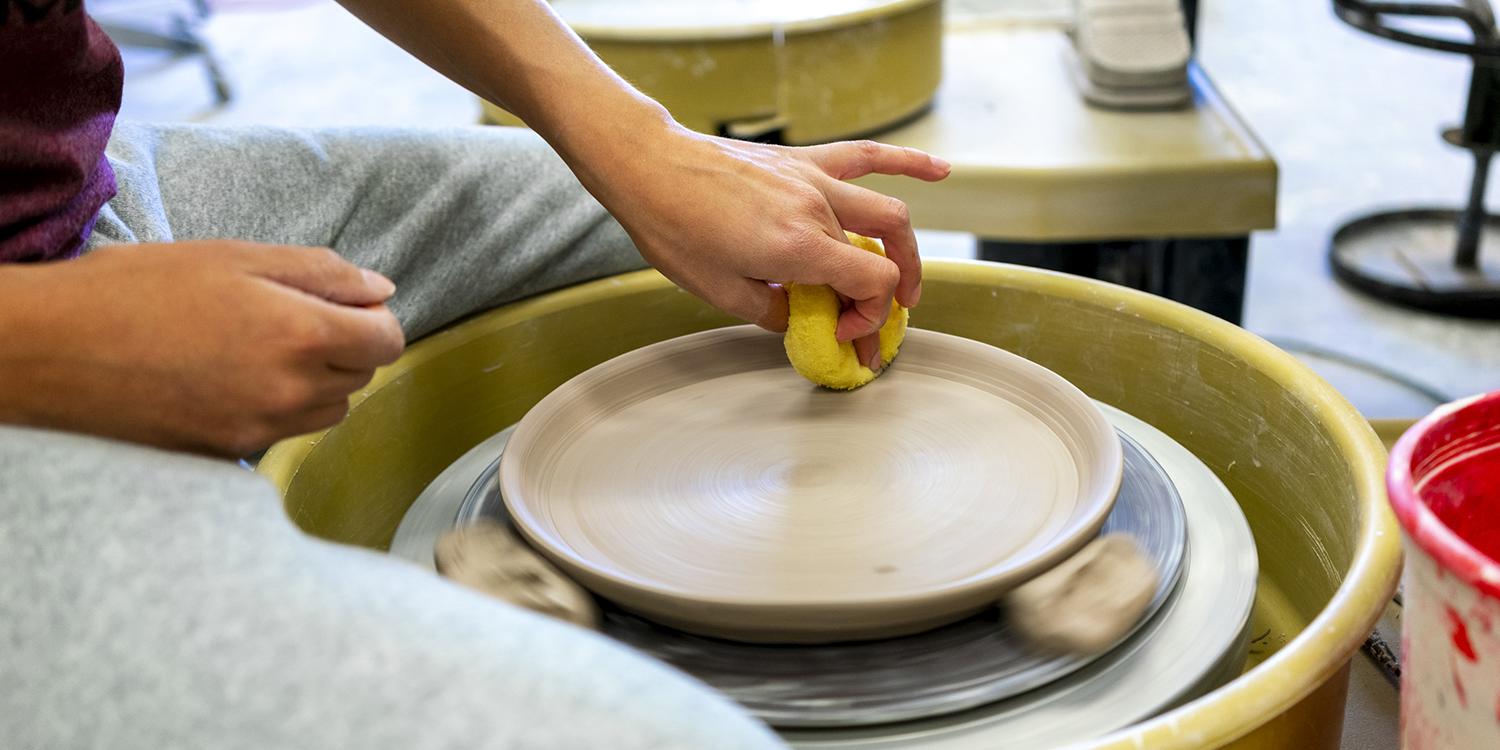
(60, 81)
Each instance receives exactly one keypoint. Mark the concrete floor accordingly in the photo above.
(1352, 120)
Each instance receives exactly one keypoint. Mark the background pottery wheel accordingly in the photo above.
(786, 71)
(695, 19)
(702, 483)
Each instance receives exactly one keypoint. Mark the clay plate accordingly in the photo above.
(702, 483)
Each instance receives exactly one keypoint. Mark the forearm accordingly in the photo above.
(23, 394)
(521, 56)
(719, 217)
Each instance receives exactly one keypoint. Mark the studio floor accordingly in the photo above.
(1351, 120)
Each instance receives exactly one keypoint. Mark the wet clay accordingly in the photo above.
(488, 558)
(704, 484)
(1088, 602)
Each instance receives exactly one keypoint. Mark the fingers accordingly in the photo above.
(361, 338)
(874, 215)
(867, 350)
(338, 383)
(315, 399)
(750, 300)
(868, 280)
(320, 272)
(320, 417)
(774, 315)
(322, 400)
(325, 334)
(850, 159)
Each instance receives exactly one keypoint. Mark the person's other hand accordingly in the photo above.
(217, 347)
(728, 220)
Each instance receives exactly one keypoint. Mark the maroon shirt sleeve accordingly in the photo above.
(60, 81)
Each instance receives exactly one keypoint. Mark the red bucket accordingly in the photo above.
(1444, 483)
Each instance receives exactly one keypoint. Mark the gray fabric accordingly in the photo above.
(157, 600)
(461, 219)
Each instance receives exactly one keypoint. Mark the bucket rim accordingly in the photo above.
(1419, 522)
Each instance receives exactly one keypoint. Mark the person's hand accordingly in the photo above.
(728, 220)
(720, 218)
(218, 347)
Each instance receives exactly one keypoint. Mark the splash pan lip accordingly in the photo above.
(1135, 337)
(700, 482)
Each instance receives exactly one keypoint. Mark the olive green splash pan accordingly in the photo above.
(1306, 468)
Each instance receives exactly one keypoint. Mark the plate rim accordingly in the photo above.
(1101, 497)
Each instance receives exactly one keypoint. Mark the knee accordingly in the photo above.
(400, 658)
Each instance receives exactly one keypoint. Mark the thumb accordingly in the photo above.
(320, 272)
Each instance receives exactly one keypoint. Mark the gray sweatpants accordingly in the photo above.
(159, 600)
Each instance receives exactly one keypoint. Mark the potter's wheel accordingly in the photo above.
(1194, 642)
(975, 661)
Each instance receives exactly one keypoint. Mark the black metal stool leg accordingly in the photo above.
(1429, 257)
(180, 38)
(1471, 224)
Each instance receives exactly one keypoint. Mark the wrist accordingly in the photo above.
(629, 136)
(621, 158)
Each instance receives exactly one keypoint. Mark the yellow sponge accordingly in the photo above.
(813, 318)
